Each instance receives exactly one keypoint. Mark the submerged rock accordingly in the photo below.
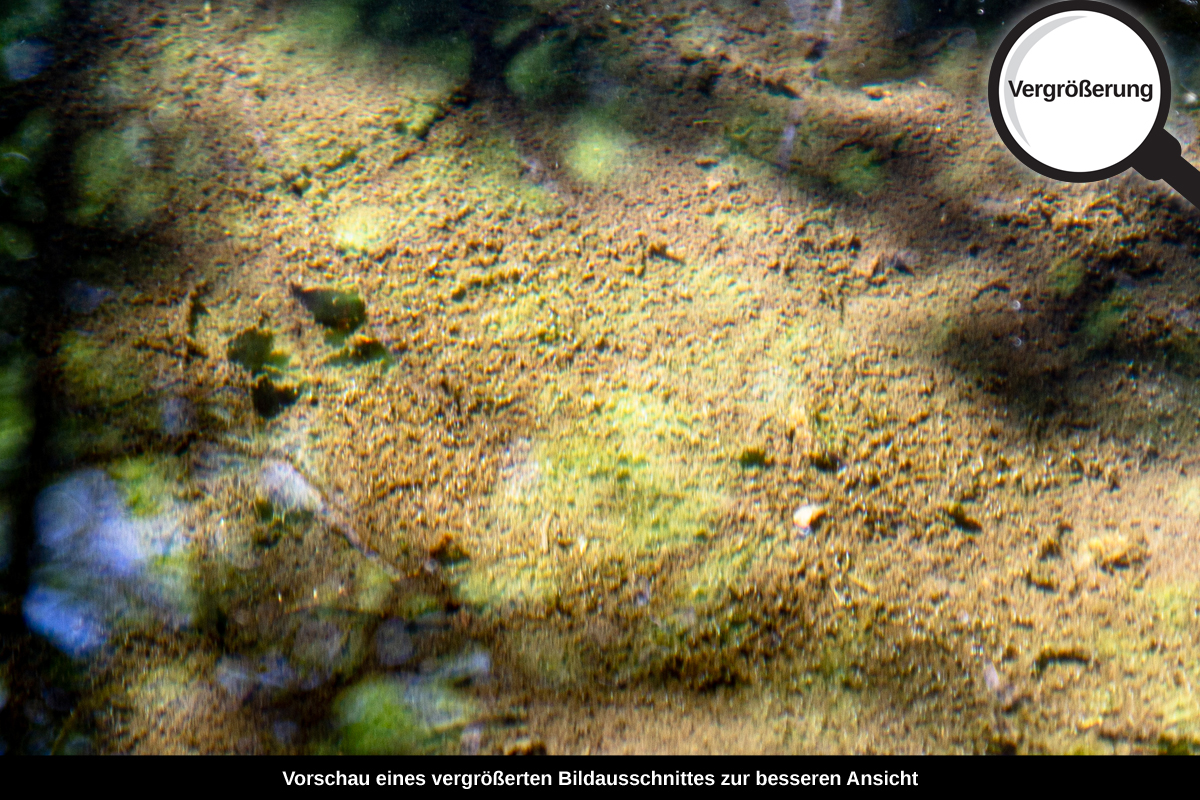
(241, 677)
(100, 567)
(393, 645)
(177, 416)
(373, 718)
(326, 646)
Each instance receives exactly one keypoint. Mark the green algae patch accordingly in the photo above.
(543, 72)
(410, 20)
(254, 349)
(503, 176)
(432, 75)
(1066, 276)
(417, 605)
(96, 373)
(1104, 320)
(372, 590)
(706, 586)
(755, 129)
(16, 243)
(753, 457)
(270, 398)
(148, 484)
(114, 182)
(702, 602)
(508, 32)
(858, 169)
(20, 166)
(327, 25)
(1178, 606)
(598, 149)
(439, 67)
(621, 487)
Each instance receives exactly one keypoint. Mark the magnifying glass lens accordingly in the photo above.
(1080, 91)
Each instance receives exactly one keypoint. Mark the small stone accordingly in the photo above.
(393, 645)
(807, 516)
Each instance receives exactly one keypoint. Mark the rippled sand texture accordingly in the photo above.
(523, 473)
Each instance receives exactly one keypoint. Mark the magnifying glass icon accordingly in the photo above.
(1079, 92)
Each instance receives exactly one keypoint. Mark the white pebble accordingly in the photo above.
(807, 516)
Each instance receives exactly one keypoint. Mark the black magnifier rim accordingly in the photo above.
(1164, 75)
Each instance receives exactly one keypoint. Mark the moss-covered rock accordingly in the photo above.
(393, 716)
(544, 72)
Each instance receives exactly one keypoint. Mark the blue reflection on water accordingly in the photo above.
(98, 564)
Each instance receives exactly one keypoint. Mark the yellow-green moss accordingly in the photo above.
(598, 149)
(390, 716)
(372, 590)
(148, 484)
(1104, 320)
(620, 487)
(373, 719)
(858, 169)
(98, 373)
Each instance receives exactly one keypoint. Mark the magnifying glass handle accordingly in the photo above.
(1160, 158)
